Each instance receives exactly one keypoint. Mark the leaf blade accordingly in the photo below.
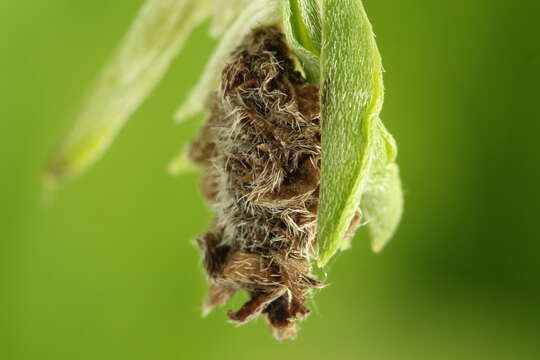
(383, 206)
(353, 143)
(302, 27)
(154, 39)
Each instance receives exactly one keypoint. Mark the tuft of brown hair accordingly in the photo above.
(260, 150)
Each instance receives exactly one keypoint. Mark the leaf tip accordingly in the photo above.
(181, 164)
(377, 246)
(50, 182)
(186, 111)
(55, 172)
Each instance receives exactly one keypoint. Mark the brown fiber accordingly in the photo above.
(260, 149)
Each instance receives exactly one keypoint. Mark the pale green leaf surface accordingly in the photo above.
(382, 204)
(156, 36)
(382, 200)
(225, 11)
(310, 11)
(357, 151)
(258, 13)
(302, 27)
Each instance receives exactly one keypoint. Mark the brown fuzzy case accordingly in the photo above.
(260, 150)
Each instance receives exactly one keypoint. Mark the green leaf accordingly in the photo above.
(382, 204)
(302, 26)
(156, 36)
(357, 152)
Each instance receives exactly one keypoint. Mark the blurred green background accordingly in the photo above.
(108, 270)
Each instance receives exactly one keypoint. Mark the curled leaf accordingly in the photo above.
(357, 152)
(302, 26)
(156, 36)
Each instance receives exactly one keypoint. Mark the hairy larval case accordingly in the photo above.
(260, 149)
